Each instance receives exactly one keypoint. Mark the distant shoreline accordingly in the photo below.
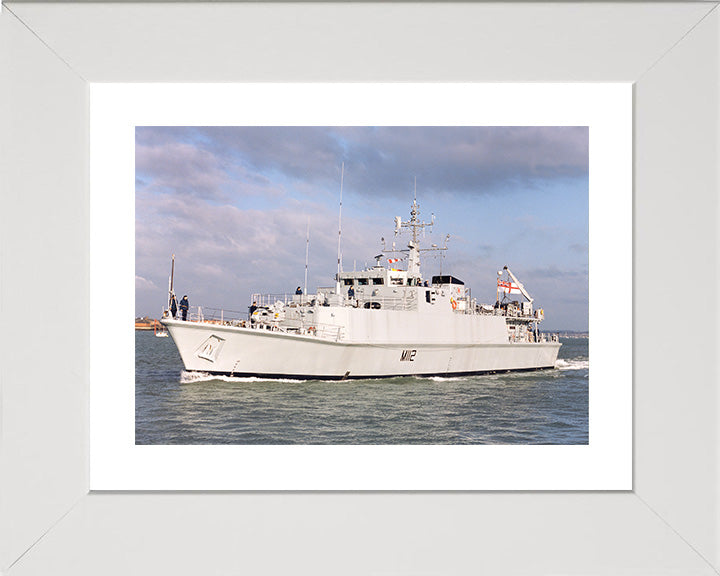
(147, 323)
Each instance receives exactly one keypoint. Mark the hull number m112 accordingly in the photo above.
(408, 356)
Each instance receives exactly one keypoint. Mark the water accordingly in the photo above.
(176, 407)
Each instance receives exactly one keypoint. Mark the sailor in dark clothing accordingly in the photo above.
(173, 306)
(252, 309)
(351, 293)
(184, 305)
(298, 291)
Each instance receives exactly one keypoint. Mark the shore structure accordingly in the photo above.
(379, 322)
(146, 323)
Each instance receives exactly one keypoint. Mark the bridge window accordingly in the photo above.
(348, 281)
(377, 281)
(363, 281)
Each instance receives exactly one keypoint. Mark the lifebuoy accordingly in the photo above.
(453, 303)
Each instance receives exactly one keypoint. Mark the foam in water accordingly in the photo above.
(572, 364)
(193, 377)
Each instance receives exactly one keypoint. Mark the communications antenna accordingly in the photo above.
(339, 253)
(307, 252)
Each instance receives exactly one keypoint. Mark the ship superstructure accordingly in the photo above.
(378, 322)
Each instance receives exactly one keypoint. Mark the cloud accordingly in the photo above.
(378, 160)
(181, 168)
(557, 274)
(223, 253)
(471, 160)
(144, 284)
(190, 169)
(307, 154)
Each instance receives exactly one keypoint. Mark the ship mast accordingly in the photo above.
(415, 225)
(171, 282)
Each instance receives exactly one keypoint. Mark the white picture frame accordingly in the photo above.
(117, 463)
(668, 523)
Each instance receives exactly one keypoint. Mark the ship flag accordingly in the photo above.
(508, 287)
(393, 260)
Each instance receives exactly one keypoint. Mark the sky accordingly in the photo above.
(234, 205)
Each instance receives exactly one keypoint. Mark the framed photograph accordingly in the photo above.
(135, 127)
(73, 281)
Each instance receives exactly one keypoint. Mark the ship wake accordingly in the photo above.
(194, 377)
(573, 364)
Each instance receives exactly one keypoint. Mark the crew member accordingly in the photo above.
(184, 306)
(173, 306)
(298, 291)
(252, 309)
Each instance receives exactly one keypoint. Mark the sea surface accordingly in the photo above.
(176, 407)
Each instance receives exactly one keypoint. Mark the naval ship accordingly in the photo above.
(382, 321)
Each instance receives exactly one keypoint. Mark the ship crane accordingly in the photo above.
(519, 284)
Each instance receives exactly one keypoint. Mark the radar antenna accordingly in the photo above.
(415, 225)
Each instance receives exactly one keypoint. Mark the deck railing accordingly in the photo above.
(285, 298)
(222, 317)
